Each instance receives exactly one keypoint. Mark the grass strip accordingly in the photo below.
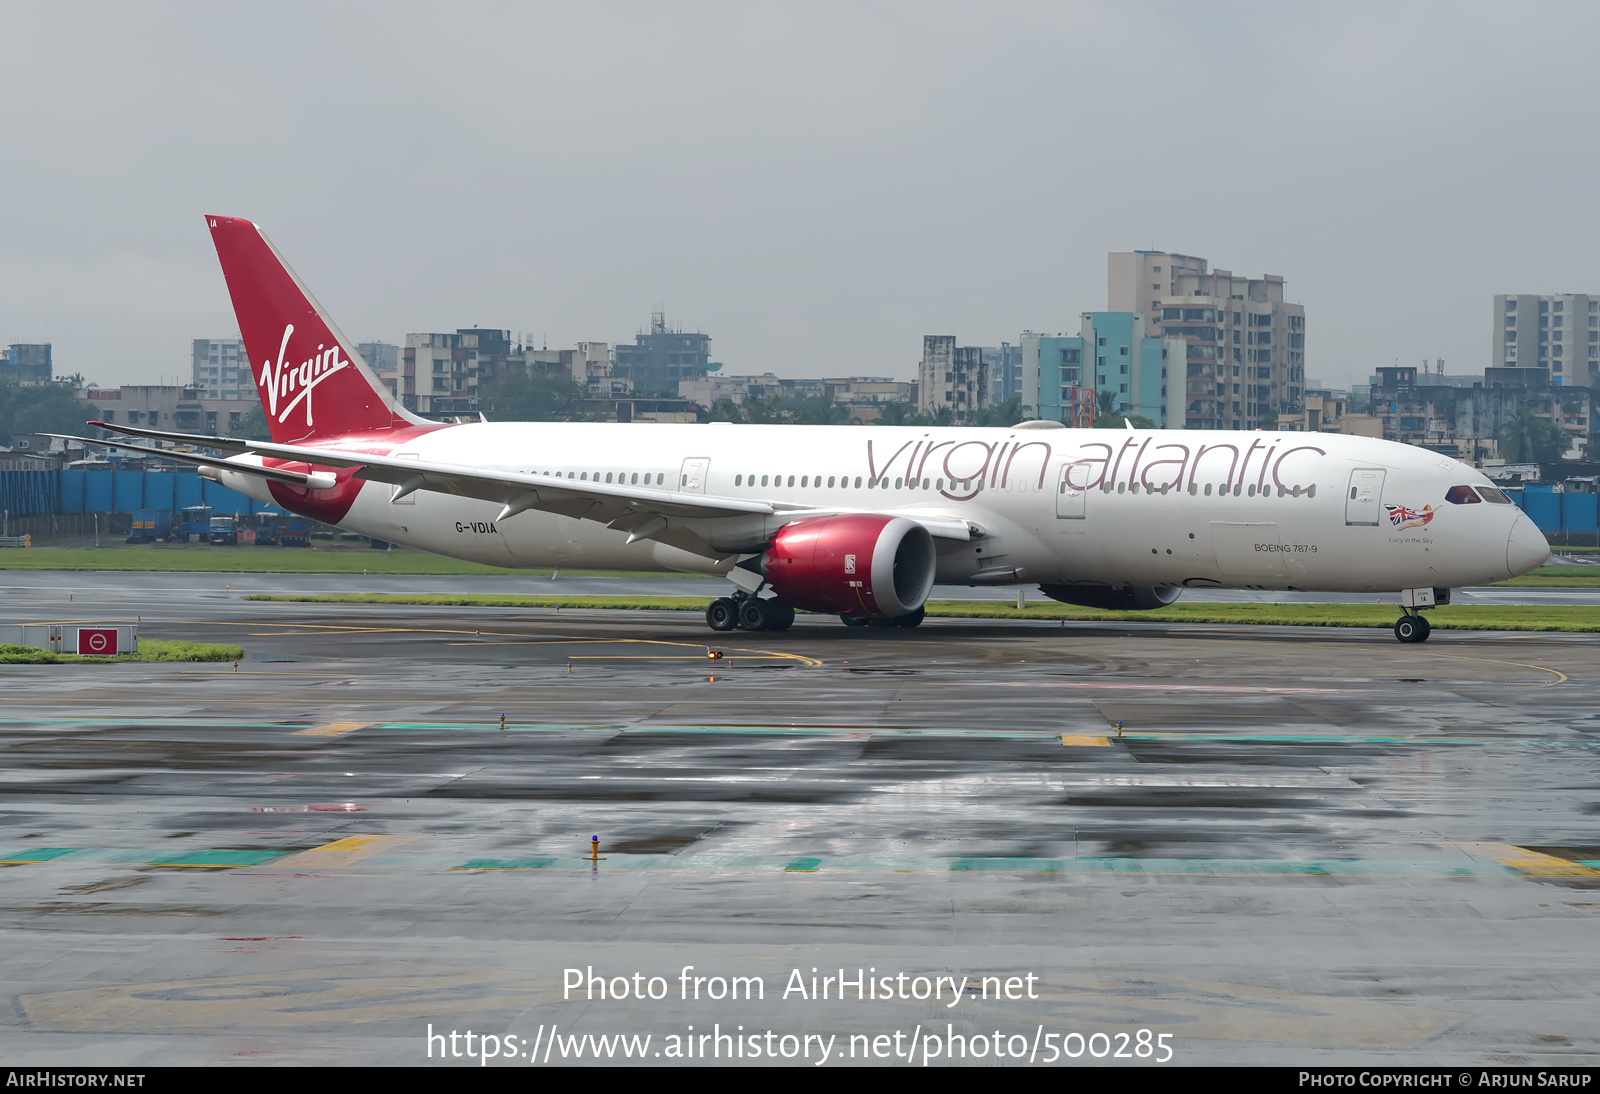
(150, 649)
(1473, 617)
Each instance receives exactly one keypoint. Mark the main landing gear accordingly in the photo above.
(748, 613)
(1412, 627)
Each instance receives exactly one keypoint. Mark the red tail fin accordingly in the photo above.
(311, 379)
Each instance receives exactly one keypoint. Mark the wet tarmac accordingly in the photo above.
(1302, 845)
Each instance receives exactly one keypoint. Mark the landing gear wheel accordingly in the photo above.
(850, 619)
(913, 620)
(780, 617)
(752, 616)
(1427, 628)
(723, 614)
(1411, 628)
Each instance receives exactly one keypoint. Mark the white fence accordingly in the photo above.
(89, 639)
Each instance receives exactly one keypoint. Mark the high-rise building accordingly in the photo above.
(27, 363)
(657, 361)
(1005, 370)
(222, 369)
(1140, 374)
(1245, 358)
(1559, 332)
(383, 358)
(952, 377)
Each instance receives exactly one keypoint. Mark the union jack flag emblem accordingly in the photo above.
(1401, 517)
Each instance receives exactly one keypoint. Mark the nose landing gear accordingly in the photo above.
(1412, 627)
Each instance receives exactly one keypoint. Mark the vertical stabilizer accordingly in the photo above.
(310, 378)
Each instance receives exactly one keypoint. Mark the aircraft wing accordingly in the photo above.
(627, 508)
(514, 490)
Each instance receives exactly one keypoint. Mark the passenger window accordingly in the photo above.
(763, 480)
(1462, 495)
(791, 480)
(635, 477)
(830, 482)
(1208, 489)
(804, 479)
(738, 480)
(1121, 486)
(1311, 491)
(897, 484)
(938, 484)
(584, 477)
(858, 482)
(1252, 491)
(608, 476)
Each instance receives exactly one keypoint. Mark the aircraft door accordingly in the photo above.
(1070, 496)
(1363, 503)
(692, 479)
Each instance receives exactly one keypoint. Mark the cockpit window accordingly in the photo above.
(1497, 496)
(1462, 495)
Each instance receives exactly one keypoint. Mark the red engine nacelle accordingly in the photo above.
(864, 563)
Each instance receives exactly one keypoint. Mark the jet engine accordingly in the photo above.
(1121, 598)
(861, 564)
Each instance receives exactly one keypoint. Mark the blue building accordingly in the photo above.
(1111, 353)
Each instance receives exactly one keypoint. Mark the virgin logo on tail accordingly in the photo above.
(279, 381)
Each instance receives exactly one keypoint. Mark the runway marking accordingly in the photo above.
(1089, 742)
(341, 852)
(781, 655)
(1531, 863)
(332, 729)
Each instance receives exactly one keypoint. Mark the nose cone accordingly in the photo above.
(1526, 548)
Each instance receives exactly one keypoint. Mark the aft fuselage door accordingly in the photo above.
(1363, 503)
(692, 479)
(1069, 494)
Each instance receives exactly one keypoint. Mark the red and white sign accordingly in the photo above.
(97, 641)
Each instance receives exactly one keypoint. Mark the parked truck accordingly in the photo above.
(149, 525)
(195, 526)
(295, 535)
(224, 530)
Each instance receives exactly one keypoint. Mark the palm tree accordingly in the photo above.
(1528, 438)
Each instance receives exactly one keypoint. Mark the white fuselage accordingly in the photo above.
(1173, 508)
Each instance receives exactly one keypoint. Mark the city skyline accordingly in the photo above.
(817, 204)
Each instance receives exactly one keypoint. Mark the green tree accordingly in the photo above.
(251, 427)
(895, 414)
(1107, 416)
(1527, 438)
(522, 396)
(1008, 413)
(40, 408)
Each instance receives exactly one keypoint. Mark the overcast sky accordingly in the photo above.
(814, 185)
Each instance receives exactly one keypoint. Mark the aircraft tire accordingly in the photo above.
(1425, 628)
(723, 614)
(1407, 628)
(913, 620)
(780, 617)
(752, 615)
(850, 619)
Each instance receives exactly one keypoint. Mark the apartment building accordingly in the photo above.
(1559, 332)
(952, 377)
(1113, 352)
(1245, 356)
(222, 369)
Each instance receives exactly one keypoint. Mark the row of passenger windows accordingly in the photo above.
(651, 478)
(1238, 489)
(843, 482)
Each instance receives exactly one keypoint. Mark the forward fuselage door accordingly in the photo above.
(1363, 502)
(692, 479)
(1070, 495)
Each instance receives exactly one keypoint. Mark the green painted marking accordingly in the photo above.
(218, 858)
(803, 866)
(537, 863)
(36, 854)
